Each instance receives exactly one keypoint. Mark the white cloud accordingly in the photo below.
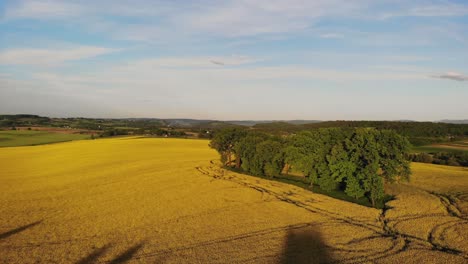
(184, 82)
(254, 17)
(429, 10)
(440, 10)
(61, 9)
(48, 57)
(195, 62)
(201, 73)
(43, 9)
(280, 30)
(195, 87)
(163, 20)
(332, 36)
(200, 92)
(224, 18)
(452, 76)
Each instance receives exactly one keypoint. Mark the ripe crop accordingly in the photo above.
(168, 201)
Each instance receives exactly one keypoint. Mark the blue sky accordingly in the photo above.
(245, 59)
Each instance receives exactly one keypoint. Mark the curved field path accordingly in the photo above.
(142, 200)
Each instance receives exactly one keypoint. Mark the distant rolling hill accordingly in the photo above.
(255, 122)
(449, 121)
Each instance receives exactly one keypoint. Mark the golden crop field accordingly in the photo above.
(144, 200)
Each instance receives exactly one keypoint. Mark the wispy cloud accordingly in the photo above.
(166, 73)
(332, 36)
(452, 76)
(231, 19)
(178, 53)
(43, 9)
(49, 57)
(220, 63)
(59, 9)
(249, 17)
(192, 62)
(258, 89)
(429, 9)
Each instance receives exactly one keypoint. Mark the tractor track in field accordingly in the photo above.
(400, 240)
(383, 230)
(226, 240)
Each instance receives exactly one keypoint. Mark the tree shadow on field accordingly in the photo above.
(93, 256)
(305, 245)
(121, 258)
(18, 230)
(128, 254)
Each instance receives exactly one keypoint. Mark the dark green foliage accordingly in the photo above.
(141, 131)
(451, 158)
(393, 149)
(225, 140)
(409, 129)
(270, 157)
(353, 187)
(251, 152)
(373, 184)
(202, 133)
(298, 154)
(110, 123)
(419, 133)
(356, 161)
(245, 150)
(454, 158)
(422, 157)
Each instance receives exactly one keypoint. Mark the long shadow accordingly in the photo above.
(93, 256)
(305, 245)
(18, 230)
(128, 254)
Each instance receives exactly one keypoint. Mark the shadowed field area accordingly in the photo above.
(133, 200)
(13, 138)
(449, 147)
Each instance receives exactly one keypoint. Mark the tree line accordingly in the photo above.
(419, 133)
(356, 161)
(441, 158)
(142, 131)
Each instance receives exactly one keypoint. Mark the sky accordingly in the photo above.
(231, 60)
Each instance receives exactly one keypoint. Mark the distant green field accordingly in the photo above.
(12, 138)
(437, 148)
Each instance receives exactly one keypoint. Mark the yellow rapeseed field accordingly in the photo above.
(145, 200)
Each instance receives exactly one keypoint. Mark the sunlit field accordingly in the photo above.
(148, 200)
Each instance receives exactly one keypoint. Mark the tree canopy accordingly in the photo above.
(356, 160)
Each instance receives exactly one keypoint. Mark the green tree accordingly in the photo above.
(354, 187)
(357, 160)
(393, 149)
(269, 155)
(340, 164)
(246, 149)
(224, 142)
(379, 156)
(300, 153)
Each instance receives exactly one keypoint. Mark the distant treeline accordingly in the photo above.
(419, 133)
(80, 123)
(142, 131)
(356, 161)
(110, 123)
(441, 158)
(102, 127)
